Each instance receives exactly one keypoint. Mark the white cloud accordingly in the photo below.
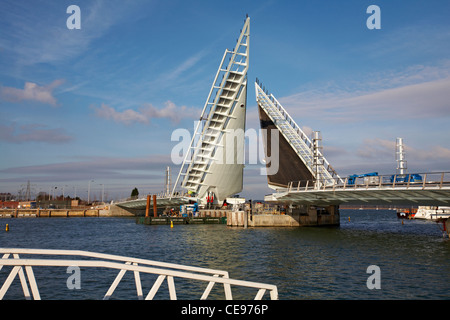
(36, 32)
(119, 175)
(183, 74)
(93, 165)
(170, 111)
(33, 133)
(307, 130)
(126, 117)
(417, 92)
(31, 92)
(185, 65)
(377, 148)
(146, 113)
(382, 150)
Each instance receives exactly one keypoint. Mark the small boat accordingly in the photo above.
(406, 213)
(432, 212)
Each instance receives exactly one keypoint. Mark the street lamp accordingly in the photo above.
(63, 190)
(89, 190)
(103, 191)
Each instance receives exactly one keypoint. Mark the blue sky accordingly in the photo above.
(101, 103)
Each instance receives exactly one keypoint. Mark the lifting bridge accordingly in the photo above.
(305, 180)
(212, 166)
(304, 177)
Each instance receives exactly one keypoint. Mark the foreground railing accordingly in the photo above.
(433, 180)
(164, 271)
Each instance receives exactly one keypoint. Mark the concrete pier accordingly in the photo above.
(298, 217)
(180, 220)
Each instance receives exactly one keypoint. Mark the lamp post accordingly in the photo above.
(103, 191)
(89, 190)
(63, 190)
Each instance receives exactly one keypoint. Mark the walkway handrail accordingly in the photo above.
(160, 195)
(164, 271)
(304, 149)
(426, 180)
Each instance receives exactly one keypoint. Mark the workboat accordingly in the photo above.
(406, 213)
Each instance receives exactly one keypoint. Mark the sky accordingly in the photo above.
(98, 105)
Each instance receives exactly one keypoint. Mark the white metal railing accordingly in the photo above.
(159, 196)
(295, 136)
(429, 180)
(165, 271)
(230, 80)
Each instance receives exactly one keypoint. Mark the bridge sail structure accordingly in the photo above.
(214, 164)
(299, 157)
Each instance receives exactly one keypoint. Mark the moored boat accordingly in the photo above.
(407, 213)
(432, 212)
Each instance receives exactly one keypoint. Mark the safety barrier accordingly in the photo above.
(430, 180)
(164, 271)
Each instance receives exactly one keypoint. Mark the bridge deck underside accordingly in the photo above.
(428, 197)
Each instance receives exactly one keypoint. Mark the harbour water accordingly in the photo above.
(304, 263)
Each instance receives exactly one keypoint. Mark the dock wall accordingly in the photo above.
(180, 220)
(53, 213)
(219, 213)
(115, 211)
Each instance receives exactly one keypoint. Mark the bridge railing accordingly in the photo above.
(428, 180)
(164, 271)
(158, 196)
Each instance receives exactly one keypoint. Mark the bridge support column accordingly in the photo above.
(324, 215)
(147, 208)
(310, 215)
(299, 216)
(155, 210)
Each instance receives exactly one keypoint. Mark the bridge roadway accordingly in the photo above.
(433, 190)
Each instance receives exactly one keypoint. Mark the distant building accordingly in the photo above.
(9, 204)
(27, 205)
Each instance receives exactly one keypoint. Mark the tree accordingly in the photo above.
(135, 193)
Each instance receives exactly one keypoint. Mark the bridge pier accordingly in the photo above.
(299, 216)
(311, 215)
(116, 211)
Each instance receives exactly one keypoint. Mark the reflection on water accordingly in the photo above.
(305, 263)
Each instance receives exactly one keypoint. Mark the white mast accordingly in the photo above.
(317, 159)
(167, 181)
(400, 157)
